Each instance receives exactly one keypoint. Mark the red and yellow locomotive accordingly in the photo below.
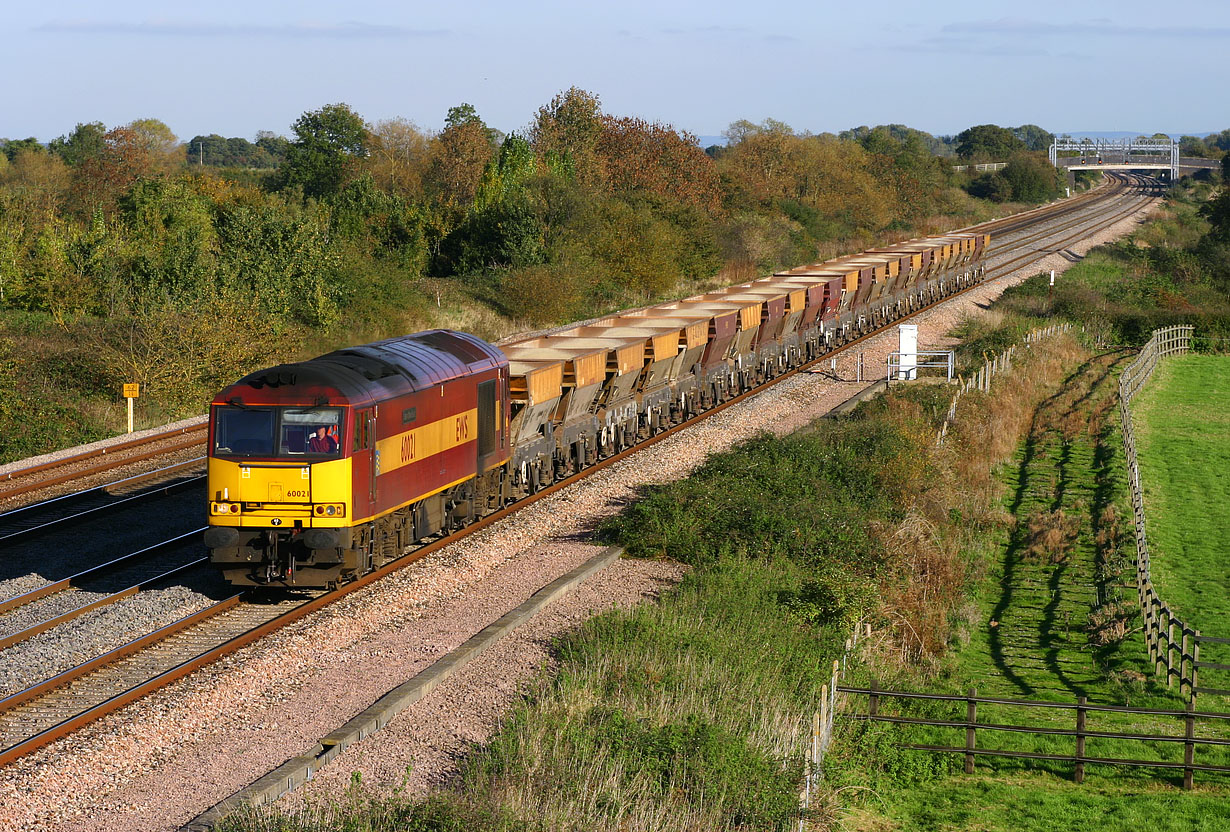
(323, 470)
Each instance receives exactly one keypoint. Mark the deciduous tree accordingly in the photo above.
(567, 132)
(11, 147)
(399, 156)
(328, 146)
(640, 157)
(1034, 137)
(160, 142)
(87, 141)
(101, 179)
(37, 181)
(988, 141)
(460, 154)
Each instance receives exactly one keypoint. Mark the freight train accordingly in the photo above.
(323, 470)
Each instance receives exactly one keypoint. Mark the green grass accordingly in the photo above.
(1031, 638)
(1024, 803)
(1183, 440)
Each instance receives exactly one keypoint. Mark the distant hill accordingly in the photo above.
(1128, 134)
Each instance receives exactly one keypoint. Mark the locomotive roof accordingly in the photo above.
(402, 364)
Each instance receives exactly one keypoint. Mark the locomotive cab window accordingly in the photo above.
(246, 431)
(277, 431)
(364, 427)
(315, 431)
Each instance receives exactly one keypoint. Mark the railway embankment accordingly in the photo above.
(996, 558)
(1056, 618)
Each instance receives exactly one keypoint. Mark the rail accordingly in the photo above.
(1080, 731)
(1167, 636)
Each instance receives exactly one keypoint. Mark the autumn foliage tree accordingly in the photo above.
(460, 154)
(399, 155)
(566, 132)
(101, 179)
(639, 157)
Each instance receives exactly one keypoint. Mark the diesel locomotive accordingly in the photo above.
(323, 470)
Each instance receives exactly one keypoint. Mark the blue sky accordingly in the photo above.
(233, 68)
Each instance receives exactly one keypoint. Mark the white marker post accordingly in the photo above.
(908, 368)
(131, 391)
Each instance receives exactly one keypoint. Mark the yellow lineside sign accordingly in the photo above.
(430, 439)
(131, 391)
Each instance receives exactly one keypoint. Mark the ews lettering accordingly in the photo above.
(463, 427)
(407, 448)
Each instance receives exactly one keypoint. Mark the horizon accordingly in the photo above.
(235, 69)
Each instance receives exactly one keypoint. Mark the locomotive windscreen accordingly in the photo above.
(298, 431)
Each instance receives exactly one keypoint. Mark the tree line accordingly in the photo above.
(128, 255)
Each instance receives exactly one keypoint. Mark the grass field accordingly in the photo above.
(1041, 803)
(1182, 419)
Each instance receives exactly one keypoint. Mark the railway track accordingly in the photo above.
(67, 599)
(56, 706)
(99, 501)
(1145, 193)
(23, 481)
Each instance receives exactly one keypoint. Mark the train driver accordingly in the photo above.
(321, 442)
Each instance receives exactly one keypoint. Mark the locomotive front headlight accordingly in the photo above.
(330, 510)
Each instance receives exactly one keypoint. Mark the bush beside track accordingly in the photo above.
(1174, 270)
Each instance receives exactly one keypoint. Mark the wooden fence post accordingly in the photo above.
(873, 700)
(1148, 623)
(817, 749)
(1169, 649)
(1195, 663)
(971, 721)
(1183, 661)
(1189, 747)
(1081, 701)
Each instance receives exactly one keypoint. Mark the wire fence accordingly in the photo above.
(822, 720)
(1173, 644)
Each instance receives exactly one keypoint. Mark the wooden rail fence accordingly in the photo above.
(1173, 644)
(1079, 733)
